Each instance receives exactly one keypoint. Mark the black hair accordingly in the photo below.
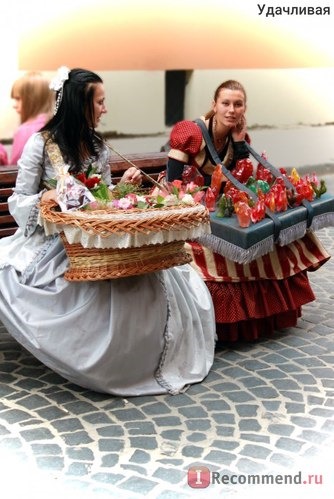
(72, 125)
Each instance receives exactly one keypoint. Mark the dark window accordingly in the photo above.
(175, 84)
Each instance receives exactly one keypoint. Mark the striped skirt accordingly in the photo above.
(255, 299)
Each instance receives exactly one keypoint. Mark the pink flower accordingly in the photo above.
(125, 203)
(177, 184)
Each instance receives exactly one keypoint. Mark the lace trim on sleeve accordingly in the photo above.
(32, 221)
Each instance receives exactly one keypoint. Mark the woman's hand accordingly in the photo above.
(239, 131)
(50, 195)
(132, 175)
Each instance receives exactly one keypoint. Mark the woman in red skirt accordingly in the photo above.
(254, 299)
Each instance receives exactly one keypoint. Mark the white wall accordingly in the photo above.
(135, 99)
(276, 97)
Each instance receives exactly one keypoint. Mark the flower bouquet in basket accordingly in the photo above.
(265, 192)
(125, 230)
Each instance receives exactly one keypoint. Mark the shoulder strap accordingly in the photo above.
(217, 160)
(233, 180)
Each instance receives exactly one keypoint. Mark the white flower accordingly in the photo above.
(171, 200)
(141, 199)
(61, 76)
(188, 199)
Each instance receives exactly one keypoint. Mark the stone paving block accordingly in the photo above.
(156, 409)
(250, 466)
(221, 457)
(215, 405)
(246, 410)
(111, 444)
(295, 408)
(111, 430)
(138, 484)
(266, 392)
(109, 460)
(196, 437)
(192, 451)
(225, 431)
(303, 421)
(171, 494)
(290, 444)
(223, 418)
(37, 434)
(51, 413)
(167, 421)
(282, 460)
(50, 463)
(181, 400)
(110, 478)
(147, 443)
(254, 437)
(12, 416)
(296, 396)
(193, 412)
(249, 425)
(131, 414)
(10, 443)
(172, 434)
(140, 457)
(169, 475)
(49, 449)
(314, 436)
(141, 470)
(225, 444)
(281, 429)
(253, 381)
(256, 451)
(67, 425)
(77, 438)
(198, 424)
(78, 469)
(140, 428)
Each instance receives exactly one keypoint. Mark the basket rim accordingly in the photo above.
(50, 209)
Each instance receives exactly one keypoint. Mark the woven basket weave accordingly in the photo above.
(108, 244)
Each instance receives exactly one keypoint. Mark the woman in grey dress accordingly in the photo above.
(137, 335)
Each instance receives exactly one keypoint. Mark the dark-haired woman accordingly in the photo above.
(138, 335)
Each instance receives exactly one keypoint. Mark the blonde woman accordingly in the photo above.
(33, 101)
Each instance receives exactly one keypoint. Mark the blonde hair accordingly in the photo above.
(35, 94)
(230, 85)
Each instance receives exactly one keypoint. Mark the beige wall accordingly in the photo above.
(135, 99)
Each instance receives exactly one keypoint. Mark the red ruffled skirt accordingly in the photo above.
(255, 299)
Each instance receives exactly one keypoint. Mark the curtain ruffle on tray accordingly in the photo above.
(264, 246)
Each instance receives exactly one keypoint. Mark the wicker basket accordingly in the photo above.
(108, 244)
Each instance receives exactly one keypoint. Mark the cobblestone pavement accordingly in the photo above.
(264, 413)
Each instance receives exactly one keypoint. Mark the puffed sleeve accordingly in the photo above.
(23, 203)
(185, 140)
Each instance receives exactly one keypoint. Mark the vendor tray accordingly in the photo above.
(243, 245)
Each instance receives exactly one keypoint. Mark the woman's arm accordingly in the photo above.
(23, 203)
(3, 156)
(174, 169)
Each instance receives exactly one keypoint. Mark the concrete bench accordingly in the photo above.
(151, 163)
